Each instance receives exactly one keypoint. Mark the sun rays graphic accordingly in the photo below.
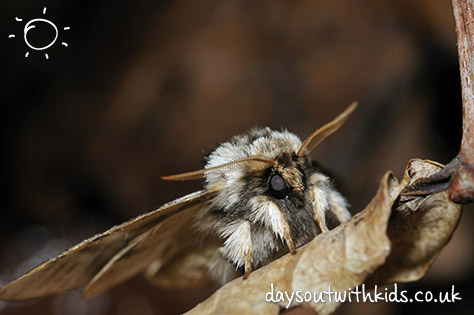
(31, 25)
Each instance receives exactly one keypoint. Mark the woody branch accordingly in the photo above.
(458, 176)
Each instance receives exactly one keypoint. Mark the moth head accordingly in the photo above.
(261, 165)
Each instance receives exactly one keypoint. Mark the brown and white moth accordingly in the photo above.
(262, 197)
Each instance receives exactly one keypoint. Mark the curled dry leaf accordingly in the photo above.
(390, 240)
(418, 229)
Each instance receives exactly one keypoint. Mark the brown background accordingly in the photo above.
(145, 88)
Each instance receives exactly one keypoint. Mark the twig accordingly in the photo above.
(458, 176)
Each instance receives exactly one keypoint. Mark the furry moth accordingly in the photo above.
(262, 197)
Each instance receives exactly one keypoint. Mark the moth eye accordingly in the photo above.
(278, 187)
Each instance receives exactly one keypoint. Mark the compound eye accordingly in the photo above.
(278, 187)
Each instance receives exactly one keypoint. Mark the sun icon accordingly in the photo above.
(31, 25)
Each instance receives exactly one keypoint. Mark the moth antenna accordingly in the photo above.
(322, 133)
(257, 162)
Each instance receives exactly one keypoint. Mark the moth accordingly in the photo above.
(262, 198)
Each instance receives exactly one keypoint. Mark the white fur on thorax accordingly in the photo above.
(267, 213)
(238, 242)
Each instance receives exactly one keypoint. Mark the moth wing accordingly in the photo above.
(189, 269)
(166, 243)
(79, 264)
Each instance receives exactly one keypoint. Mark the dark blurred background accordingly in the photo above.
(145, 88)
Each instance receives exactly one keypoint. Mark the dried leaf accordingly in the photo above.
(418, 230)
(378, 245)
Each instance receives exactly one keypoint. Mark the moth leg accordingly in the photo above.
(291, 245)
(320, 197)
(238, 245)
(280, 225)
(248, 264)
(287, 236)
(320, 217)
(338, 206)
(320, 206)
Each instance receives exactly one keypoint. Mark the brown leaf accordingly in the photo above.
(418, 230)
(380, 243)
